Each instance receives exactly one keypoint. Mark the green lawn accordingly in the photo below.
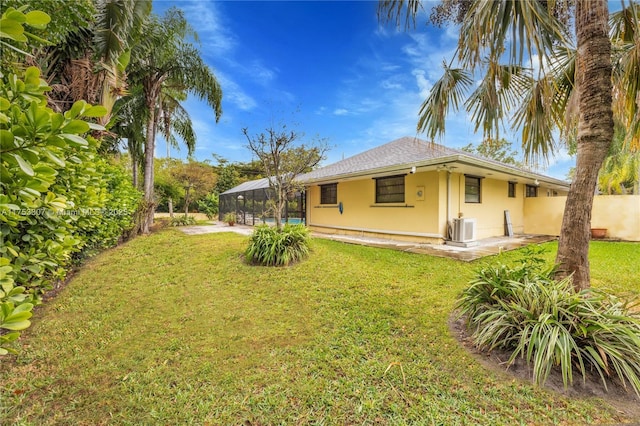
(173, 329)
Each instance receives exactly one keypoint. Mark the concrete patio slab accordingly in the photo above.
(485, 247)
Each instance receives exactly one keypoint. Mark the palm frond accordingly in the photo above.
(625, 38)
(535, 118)
(499, 91)
(514, 27)
(392, 10)
(446, 93)
(564, 108)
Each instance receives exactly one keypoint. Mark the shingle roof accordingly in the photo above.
(401, 151)
(407, 151)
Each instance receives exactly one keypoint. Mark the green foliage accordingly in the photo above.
(209, 205)
(59, 200)
(230, 218)
(12, 25)
(197, 179)
(183, 220)
(270, 246)
(496, 149)
(228, 176)
(620, 172)
(523, 310)
(304, 344)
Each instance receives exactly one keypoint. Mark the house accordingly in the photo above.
(413, 190)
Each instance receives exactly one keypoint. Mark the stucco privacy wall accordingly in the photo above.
(619, 214)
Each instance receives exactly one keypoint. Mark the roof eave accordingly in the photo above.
(450, 159)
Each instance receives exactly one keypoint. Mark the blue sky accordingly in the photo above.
(327, 69)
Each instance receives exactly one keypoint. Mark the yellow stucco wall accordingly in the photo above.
(419, 218)
(489, 213)
(619, 214)
(415, 219)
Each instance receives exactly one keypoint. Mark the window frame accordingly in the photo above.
(527, 192)
(333, 188)
(512, 191)
(401, 195)
(478, 179)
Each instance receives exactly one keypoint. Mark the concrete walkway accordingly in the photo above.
(485, 247)
(215, 227)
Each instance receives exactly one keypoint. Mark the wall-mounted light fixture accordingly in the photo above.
(413, 170)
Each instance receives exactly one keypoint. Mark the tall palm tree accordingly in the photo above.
(165, 60)
(498, 39)
(594, 136)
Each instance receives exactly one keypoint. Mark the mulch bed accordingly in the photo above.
(624, 400)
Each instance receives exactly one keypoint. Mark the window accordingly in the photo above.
(471, 189)
(512, 190)
(390, 189)
(531, 191)
(329, 194)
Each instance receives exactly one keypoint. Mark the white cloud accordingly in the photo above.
(423, 83)
(340, 111)
(233, 93)
(211, 29)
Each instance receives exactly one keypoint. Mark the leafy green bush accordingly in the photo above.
(209, 205)
(59, 200)
(269, 246)
(182, 220)
(523, 310)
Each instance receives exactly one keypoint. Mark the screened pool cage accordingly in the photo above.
(252, 202)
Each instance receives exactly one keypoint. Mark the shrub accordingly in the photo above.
(523, 310)
(209, 205)
(59, 200)
(182, 220)
(269, 246)
(229, 218)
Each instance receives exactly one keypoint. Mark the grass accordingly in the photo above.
(176, 329)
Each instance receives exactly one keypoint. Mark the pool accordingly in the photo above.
(292, 220)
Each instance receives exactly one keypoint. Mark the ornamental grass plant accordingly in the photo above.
(270, 246)
(523, 310)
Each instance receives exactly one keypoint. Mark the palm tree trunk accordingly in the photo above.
(134, 169)
(186, 201)
(149, 148)
(595, 134)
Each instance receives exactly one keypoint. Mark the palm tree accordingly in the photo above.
(594, 136)
(174, 121)
(90, 63)
(164, 60)
(127, 123)
(512, 31)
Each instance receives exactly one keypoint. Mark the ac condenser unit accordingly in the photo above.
(464, 230)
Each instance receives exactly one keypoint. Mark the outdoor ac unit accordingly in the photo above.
(464, 230)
